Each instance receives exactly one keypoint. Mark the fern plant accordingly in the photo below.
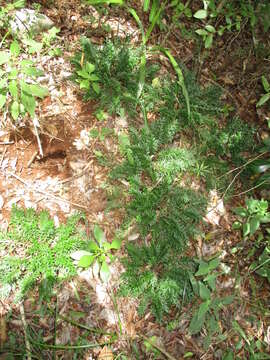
(157, 278)
(37, 251)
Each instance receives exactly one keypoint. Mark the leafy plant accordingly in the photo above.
(5, 13)
(97, 251)
(38, 251)
(17, 93)
(87, 77)
(252, 216)
(266, 96)
(116, 66)
(208, 313)
(157, 278)
(248, 345)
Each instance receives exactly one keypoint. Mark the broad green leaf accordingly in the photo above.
(201, 32)
(32, 71)
(203, 268)
(15, 48)
(116, 244)
(200, 14)
(3, 84)
(211, 281)
(204, 307)
(93, 246)
(96, 87)
(29, 103)
(38, 91)
(240, 211)
(263, 99)
(76, 255)
(194, 284)
(99, 235)
(13, 89)
(3, 99)
(94, 77)
(213, 264)
(246, 229)
(229, 355)
(25, 63)
(106, 246)
(188, 354)
(4, 57)
(208, 41)
(265, 83)
(227, 300)
(13, 74)
(104, 272)
(254, 225)
(236, 225)
(34, 46)
(83, 73)
(86, 260)
(18, 4)
(15, 110)
(84, 84)
(210, 28)
(89, 67)
(205, 293)
(196, 324)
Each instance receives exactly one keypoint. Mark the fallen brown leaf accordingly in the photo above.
(105, 354)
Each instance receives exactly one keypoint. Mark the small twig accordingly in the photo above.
(239, 172)
(3, 155)
(253, 188)
(77, 175)
(244, 165)
(46, 193)
(93, 330)
(36, 124)
(6, 142)
(27, 343)
(32, 159)
(164, 352)
(72, 347)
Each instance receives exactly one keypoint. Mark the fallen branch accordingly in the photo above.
(164, 352)
(27, 343)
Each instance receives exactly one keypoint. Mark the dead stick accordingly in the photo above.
(27, 343)
(164, 352)
(32, 159)
(3, 155)
(36, 124)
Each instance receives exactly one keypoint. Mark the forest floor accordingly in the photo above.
(69, 179)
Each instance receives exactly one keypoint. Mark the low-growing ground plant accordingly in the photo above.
(97, 252)
(38, 252)
(253, 220)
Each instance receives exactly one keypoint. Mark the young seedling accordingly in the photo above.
(98, 251)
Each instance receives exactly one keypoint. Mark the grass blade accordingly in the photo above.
(180, 76)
